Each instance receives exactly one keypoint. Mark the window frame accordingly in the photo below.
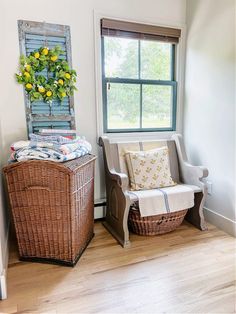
(172, 82)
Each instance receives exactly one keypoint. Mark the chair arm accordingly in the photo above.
(189, 174)
(193, 174)
(197, 171)
(121, 179)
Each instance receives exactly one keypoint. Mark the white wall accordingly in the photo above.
(209, 120)
(4, 223)
(79, 15)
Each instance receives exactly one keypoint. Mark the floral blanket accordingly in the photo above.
(54, 148)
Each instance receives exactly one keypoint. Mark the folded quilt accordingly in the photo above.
(65, 149)
(42, 153)
(55, 139)
(71, 147)
(164, 200)
(30, 144)
(54, 148)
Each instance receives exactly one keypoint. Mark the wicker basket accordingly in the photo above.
(153, 225)
(52, 208)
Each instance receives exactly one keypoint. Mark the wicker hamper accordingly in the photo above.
(154, 225)
(52, 208)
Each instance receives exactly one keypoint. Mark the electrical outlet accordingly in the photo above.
(209, 187)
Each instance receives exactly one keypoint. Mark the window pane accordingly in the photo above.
(157, 106)
(155, 60)
(121, 57)
(123, 106)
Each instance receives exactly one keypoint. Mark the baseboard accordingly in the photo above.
(3, 274)
(3, 285)
(220, 221)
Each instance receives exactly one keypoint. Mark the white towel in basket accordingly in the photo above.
(165, 200)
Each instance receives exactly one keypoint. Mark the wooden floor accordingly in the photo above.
(186, 271)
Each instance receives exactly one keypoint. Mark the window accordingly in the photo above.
(139, 86)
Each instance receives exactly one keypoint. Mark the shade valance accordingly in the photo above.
(118, 28)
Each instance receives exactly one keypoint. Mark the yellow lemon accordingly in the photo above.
(67, 75)
(60, 81)
(26, 74)
(27, 67)
(29, 86)
(49, 93)
(36, 55)
(54, 58)
(41, 89)
(45, 51)
(63, 94)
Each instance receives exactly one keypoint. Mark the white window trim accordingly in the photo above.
(180, 63)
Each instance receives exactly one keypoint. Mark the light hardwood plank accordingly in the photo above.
(185, 271)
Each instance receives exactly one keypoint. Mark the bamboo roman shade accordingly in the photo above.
(117, 28)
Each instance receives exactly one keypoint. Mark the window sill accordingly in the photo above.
(134, 136)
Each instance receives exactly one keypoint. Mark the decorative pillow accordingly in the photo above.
(149, 169)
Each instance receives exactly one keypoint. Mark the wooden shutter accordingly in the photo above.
(59, 114)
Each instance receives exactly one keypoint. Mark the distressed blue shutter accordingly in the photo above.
(39, 114)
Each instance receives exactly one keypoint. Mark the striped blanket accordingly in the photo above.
(54, 148)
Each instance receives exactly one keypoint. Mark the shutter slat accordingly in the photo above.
(42, 42)
(54, 102)
(44, 72)
(61, 111)
(41, 37)
(57, 107)
(37, 46)
(29, 50)
(37, 126)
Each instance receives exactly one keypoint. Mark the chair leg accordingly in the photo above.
(117, 213)
(195, 214)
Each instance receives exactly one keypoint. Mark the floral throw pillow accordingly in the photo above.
(149, 169)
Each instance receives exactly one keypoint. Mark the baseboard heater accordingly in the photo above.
(100, 208)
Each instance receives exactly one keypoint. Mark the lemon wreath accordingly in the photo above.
(45, 76)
